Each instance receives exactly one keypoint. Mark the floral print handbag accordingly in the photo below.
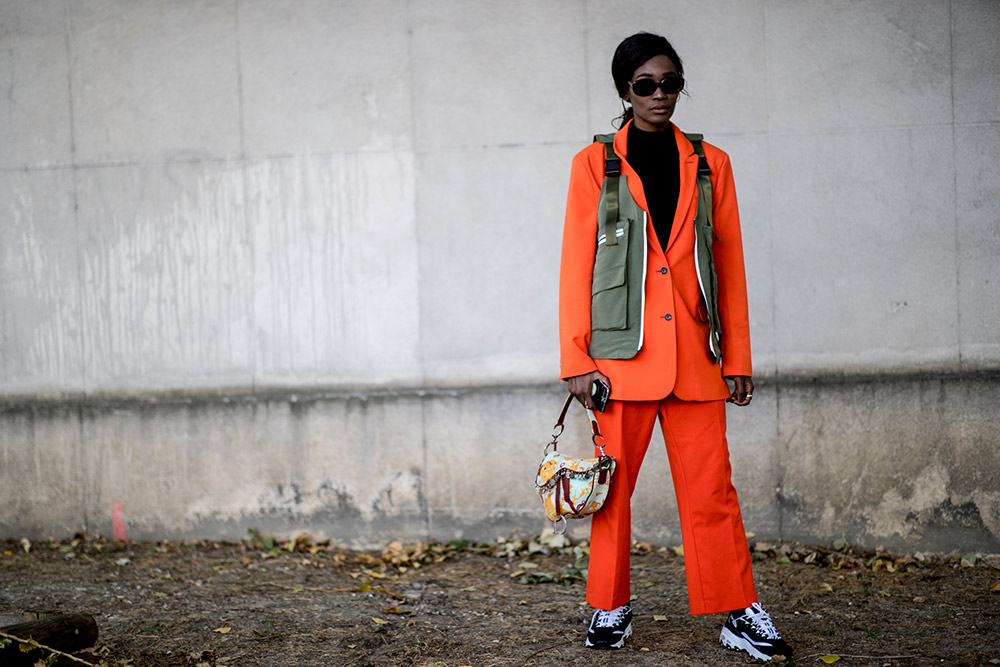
(573, 488)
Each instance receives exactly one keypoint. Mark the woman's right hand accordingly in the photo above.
(579, 386)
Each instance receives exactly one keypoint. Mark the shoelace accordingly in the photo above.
(609, 619)
(760, 621)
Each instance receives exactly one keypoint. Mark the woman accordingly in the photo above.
(639, 321)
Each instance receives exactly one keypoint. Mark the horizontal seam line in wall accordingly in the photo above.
(860, 129)
(206, 160)
(306, 395)
(507, 145)
(545, 144)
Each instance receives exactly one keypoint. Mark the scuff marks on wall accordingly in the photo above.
(362, 469)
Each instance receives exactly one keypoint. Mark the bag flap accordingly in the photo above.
(554, 463)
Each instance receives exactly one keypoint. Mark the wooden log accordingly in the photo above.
(66, 633)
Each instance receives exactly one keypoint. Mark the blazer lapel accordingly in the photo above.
(687, 196)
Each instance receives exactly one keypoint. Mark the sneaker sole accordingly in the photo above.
(616, 645)
(730, 640)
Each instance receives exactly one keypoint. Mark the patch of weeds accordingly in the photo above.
(566, 577)
(866, 582)
(268, 634)
(152, 629)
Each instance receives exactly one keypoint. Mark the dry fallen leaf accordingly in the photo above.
(826, 588)
(380, 621)
(996, 587)
(223, 631)
(829, 659)
(397, 610)
(919, 599)
(659, 618)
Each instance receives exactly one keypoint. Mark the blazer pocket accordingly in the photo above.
(700, 312)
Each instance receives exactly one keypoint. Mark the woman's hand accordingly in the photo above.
(742, 390)
(579, 386)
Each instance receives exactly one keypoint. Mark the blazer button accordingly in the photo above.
(668, 317)
(663, 270)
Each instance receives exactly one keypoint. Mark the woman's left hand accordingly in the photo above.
(742, 390)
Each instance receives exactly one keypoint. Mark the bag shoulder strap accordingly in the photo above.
(612, 172)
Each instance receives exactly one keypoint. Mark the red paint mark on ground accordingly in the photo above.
(118, 522)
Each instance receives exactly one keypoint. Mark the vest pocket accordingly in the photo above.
(609, 289)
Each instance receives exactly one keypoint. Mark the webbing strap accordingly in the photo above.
(612, 171)
(704, 179)
(704, 236)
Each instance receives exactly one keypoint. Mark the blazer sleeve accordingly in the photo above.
(576, 269)
(727, 251)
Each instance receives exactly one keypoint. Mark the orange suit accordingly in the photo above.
(672, 376)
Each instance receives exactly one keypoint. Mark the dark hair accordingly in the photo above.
(633, 52)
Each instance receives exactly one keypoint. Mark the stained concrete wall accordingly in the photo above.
(283, 263)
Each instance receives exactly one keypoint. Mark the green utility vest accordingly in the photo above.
(617, 297)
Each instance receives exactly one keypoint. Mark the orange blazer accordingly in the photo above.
(674, 356)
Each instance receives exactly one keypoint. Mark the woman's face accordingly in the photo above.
(653, 113)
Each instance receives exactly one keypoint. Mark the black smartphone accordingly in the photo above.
(599, 393)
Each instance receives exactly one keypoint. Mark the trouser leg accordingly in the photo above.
(716, 555)
(627, 427)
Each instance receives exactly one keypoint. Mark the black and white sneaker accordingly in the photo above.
(610, 629)
(751, 630)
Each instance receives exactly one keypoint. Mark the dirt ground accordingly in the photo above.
(509, 602)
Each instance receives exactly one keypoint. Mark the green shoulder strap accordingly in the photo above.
(612, 171)
(704, 236)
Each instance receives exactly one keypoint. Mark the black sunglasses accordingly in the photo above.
(646, 87)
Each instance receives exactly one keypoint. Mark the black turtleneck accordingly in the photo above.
(654, 157)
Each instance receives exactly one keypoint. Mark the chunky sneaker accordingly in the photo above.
(751, 630)
(610, 629)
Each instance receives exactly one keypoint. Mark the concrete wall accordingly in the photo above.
(255, 248)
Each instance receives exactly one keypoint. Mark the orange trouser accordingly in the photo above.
(716, 556)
